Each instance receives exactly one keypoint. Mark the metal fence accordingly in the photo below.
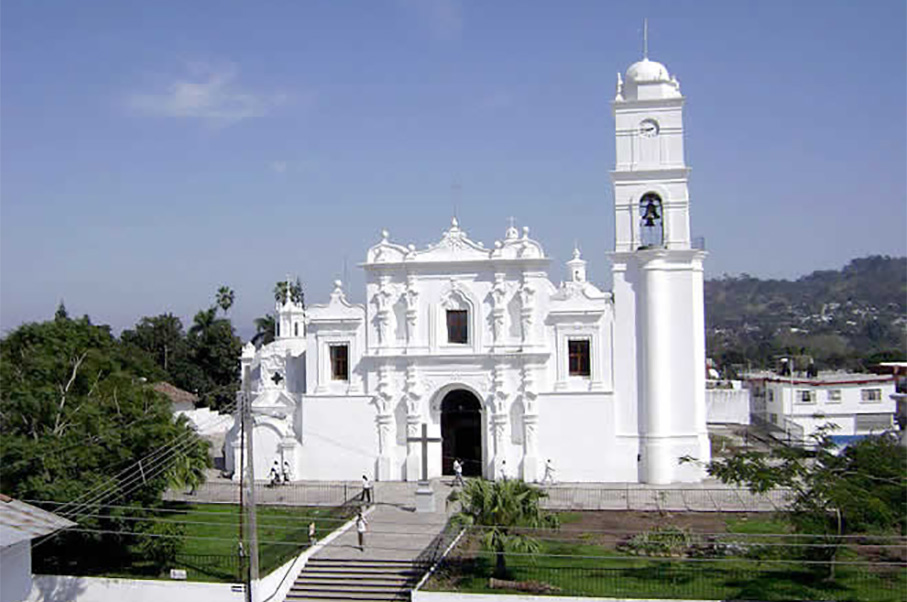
(570, 497)
(315, 493)
(219, 567)
(689, 580)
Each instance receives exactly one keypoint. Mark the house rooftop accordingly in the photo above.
(20, 521)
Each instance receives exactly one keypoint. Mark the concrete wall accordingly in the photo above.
(15, 571)
(55, 588)
(423, 596)
(727, 406)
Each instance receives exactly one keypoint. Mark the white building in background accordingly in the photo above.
(505, 366)
(856, 404)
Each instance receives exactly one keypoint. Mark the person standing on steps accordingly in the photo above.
(312, 540)
(361, 528)
(458, 473)
(549, 472)
(366, 490)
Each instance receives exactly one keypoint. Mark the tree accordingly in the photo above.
(860, 489)
(76, 413)
(502, 508)
(162, 336)
(214, 351)
(281, 289)
(265, 328)
(61, 313)
(225, 298)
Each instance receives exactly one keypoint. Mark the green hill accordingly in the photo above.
(848, 318)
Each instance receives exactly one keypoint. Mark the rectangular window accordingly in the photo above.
(834, 396)
(578, 352)
(771, 395)
(457, 326)
(806, 397)
(340, 362)
(773, 418)
(871, 395)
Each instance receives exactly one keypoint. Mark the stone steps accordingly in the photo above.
(355, 579)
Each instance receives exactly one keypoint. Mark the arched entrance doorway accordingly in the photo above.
(461, 432)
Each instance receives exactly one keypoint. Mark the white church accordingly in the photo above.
(507, 369)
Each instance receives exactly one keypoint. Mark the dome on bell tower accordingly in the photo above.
(647, 80)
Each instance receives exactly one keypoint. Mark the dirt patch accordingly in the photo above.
(610, 527)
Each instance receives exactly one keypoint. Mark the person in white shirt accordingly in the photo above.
(549, 472)
(458, 472)
(361, 528)
(366, 490)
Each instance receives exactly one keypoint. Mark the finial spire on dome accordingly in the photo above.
(645, 38)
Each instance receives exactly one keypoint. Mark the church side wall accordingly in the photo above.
(577, 435)
(339, 438)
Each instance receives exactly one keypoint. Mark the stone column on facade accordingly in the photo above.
(383, 304)
(413, 420)
(499, 424)
(530, 468)
(498, 310)
(526, 310)
(411, 297)
(384, 421)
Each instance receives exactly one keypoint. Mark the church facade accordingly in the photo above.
(508, 370)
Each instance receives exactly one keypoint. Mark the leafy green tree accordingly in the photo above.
(265, 327)
(225, 298)
(162, 336)
(294, 289)
(76, 412)
(860, 489)
(214, 350)
(502, 508)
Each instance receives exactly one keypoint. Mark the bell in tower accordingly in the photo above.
(651, 226)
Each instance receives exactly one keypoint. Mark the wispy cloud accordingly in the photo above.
(210, 94)
(443, 18)
(278, 166)
(494, 101)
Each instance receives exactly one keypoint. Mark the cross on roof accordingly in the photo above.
(277, 378)
(512, 220)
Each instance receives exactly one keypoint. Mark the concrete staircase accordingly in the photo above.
(355, 579)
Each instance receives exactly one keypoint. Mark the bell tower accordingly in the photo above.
(658, 281)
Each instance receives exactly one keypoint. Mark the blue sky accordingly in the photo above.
(152, 151)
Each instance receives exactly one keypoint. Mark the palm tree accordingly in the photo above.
(225, 298)
(294, 289)
(265, 328)
(502, 508)
(203, 321)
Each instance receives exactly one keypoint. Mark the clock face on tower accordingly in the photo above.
(648, 128)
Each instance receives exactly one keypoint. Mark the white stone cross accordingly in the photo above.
(424, 440)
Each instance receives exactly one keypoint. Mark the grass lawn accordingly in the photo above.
(636, 577)
(208, 547)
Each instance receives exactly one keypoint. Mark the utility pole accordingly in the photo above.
(250, 480)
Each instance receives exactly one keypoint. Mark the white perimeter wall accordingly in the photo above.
(54, 588)
(339, 438)
(577, 433)
(727, 406)
(423, 596)
(15, 571)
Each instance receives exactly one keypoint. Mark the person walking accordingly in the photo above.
(366, 490)
(312, 540)
(549, 472)
(286, 471)
(458, 472)
(274, 475)
(361, 528)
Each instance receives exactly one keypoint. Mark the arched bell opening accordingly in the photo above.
(651, 221)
